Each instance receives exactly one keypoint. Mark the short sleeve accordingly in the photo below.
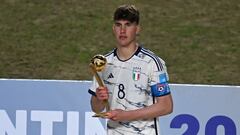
(159, 78)
(93, 87)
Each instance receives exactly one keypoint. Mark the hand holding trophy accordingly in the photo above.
(98, 62)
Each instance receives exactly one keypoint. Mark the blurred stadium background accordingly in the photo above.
(55, 39)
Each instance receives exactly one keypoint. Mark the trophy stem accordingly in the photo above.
(100, 83)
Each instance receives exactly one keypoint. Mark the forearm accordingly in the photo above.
(163, 106)
(97, 105)
(150, 112)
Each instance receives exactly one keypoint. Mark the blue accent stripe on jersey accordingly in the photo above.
(156, 128)
(155, 58)
(155, 119)
(109, 53)
(92, 92)
(138, 50)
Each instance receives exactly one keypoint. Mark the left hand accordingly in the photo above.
(116, 115)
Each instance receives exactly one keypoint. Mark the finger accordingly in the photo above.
(108, 115)
(102, 88)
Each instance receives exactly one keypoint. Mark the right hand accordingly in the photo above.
(102, 93)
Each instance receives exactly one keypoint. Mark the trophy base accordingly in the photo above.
(101, 115)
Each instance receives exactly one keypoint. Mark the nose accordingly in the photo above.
(123, 29)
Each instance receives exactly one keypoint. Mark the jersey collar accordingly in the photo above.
(136, 53)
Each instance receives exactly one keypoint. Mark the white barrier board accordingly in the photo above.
(50, 107)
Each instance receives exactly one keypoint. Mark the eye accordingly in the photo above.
(117, 24)
(128, 24)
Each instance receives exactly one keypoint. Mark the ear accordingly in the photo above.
(113, 30)
(138, 30)
(113, 27)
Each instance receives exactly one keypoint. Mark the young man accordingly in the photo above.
(136, 81)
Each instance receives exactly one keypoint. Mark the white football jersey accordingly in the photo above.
(133, 84)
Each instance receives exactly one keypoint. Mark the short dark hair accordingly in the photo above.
(127, 12)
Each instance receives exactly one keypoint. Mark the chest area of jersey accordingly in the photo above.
(126, 71)
(128, 82)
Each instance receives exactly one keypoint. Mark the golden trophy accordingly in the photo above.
(98, 62)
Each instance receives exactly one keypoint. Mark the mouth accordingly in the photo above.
(122, 37)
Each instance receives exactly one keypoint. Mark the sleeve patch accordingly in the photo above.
(162, 78)
(160, 89)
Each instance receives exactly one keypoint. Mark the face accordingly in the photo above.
(125, 32)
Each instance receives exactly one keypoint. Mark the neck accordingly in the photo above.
(125, 53)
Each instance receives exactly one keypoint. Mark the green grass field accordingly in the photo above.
(55, 39)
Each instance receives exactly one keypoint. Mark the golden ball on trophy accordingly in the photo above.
(99, 62)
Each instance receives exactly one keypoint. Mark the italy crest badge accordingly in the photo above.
(136, 73)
